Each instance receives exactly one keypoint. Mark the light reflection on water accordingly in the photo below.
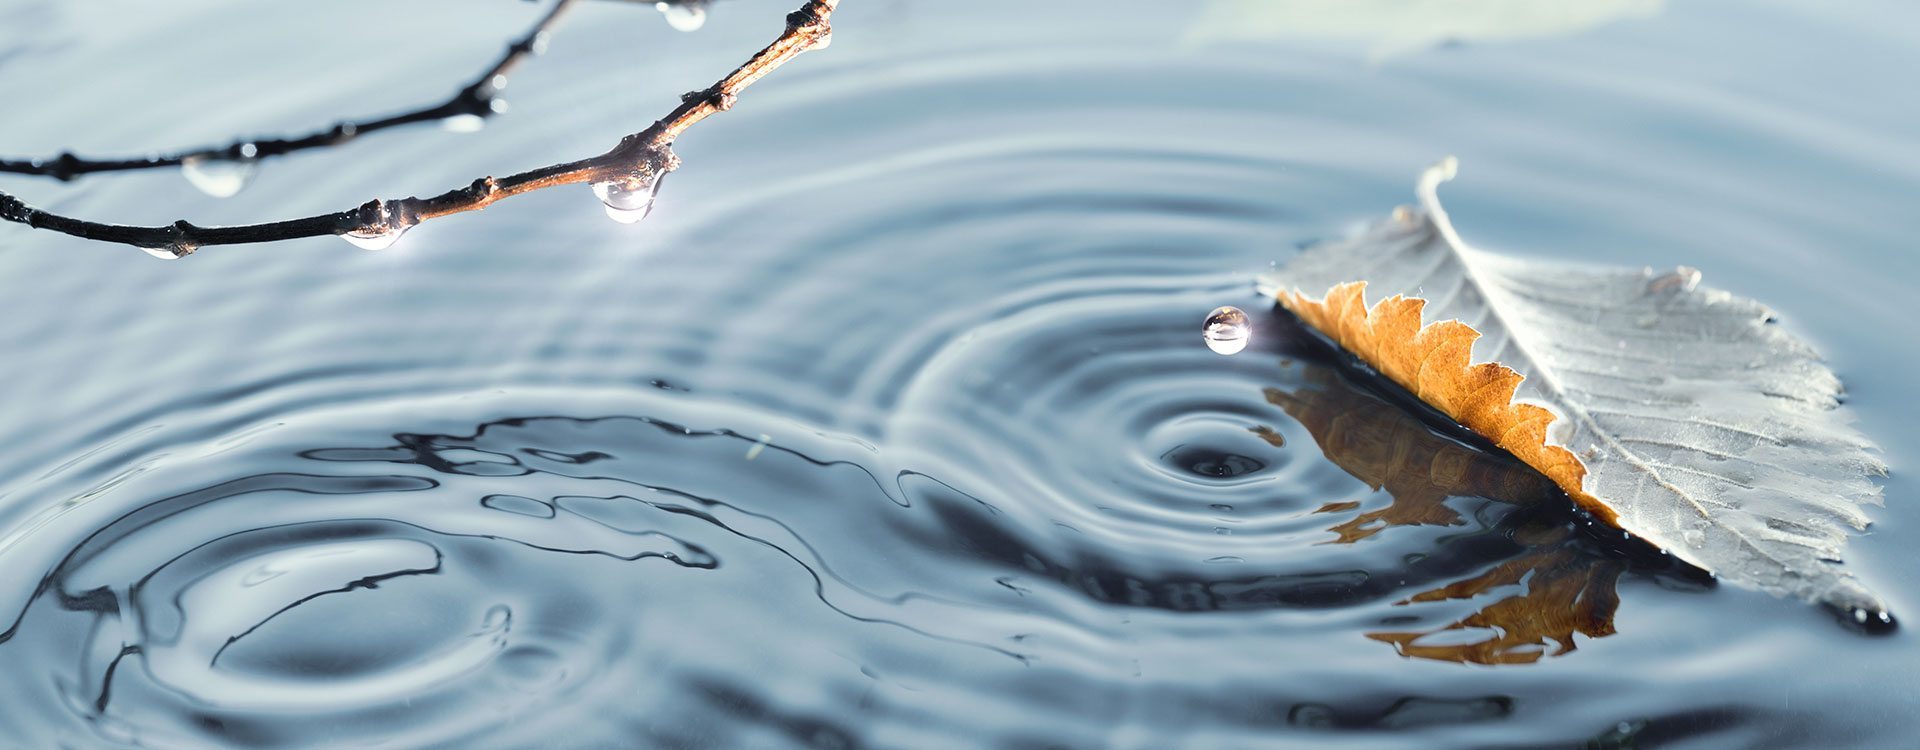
(903, 438)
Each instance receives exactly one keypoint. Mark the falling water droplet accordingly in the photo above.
(684, 15)
(379, 238)
(218, 176)
(1227, 330)
(628, 200)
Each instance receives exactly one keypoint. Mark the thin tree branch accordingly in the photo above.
(633, 166)
(477, 99)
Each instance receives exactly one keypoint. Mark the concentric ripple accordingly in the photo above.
(497, 572)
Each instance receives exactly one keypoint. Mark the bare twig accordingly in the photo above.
(630, 168)
(477, 99)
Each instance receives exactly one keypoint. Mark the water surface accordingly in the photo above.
(893, 425)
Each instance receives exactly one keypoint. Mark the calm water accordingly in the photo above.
(893, 425)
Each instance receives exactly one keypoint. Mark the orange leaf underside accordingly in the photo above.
(1433, 363)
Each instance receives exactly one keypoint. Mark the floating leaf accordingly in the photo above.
(1675, 411)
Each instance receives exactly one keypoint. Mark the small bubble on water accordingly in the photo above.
(684, 15)
(1874, 620)
(218, 176)
(627, 200)
(1227, 330)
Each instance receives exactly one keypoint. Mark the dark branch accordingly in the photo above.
(628, 174)
(478, 99)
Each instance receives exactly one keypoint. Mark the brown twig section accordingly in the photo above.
(636, 163)
(478, 99)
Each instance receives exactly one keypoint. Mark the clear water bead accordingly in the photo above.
(628, 200)
(218, 176)
(379, 238)
(1227, 330)
(685, 15)
(170, 252)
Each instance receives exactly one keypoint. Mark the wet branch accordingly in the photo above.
(477, 99)
(631, 170)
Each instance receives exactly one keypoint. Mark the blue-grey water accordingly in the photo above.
(893, 426)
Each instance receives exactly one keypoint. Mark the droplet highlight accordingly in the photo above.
(1227, 330)
(218, 176)
(628, 200)
(382, 223)
(685, 15)
(174, 251)
(379, 238)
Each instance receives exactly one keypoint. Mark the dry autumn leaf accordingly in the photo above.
(1675, 411)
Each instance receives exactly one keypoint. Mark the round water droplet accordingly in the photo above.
(374, 239)
(628, 200)
(1693, 537)
(219, 177)
(684, 15)
(1227, 330)
(825, 41)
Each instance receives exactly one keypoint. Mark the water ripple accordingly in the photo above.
(906, 440)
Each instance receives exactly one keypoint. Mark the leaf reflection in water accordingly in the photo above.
(1556, 587)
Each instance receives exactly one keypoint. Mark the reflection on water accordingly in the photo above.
(1557, 585)
(1565, 593)
(901, 439)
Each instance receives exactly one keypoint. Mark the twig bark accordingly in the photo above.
(476, 99)
(636, 162)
